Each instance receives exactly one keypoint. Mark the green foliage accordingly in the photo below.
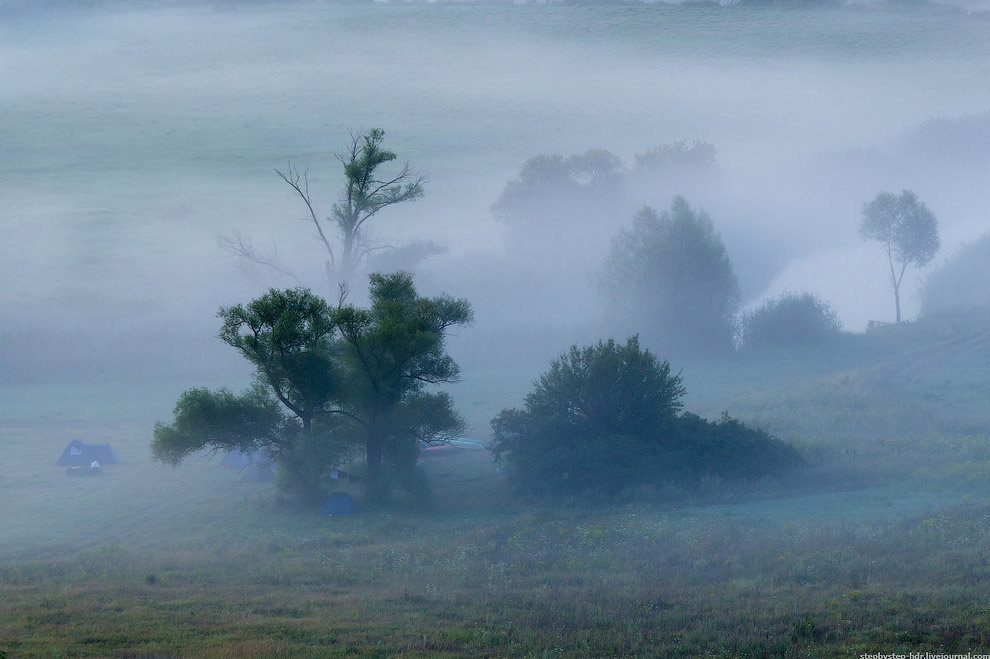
(222, 421)
(962, 284)
(350, 377)
(396, 348)
(790, 319)
(288, 335)
(603, 419)
(591, 422)
(367, 191)
(906, 229)
(670, 276)
(728, 449)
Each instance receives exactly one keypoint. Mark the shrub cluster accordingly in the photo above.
(604, 419)
(790, 319)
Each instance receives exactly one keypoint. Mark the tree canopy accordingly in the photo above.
(669, 277)
(329, 381)
(906, 229)
(396, 349)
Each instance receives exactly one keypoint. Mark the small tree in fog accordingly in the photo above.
(670, 277)
(790, 319)
(906, 229)
(366, 192)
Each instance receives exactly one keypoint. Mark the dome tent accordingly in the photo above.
(79, 453)
(339, 503)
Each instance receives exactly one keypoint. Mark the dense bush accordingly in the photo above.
(790, 319)
(604, 419)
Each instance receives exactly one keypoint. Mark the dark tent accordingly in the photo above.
(239, 460)
(79, 453)
(256, 473)
(339, 503)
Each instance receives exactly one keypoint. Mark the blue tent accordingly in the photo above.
(79, 453)
(339, 503)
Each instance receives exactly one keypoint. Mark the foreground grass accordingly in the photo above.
(158, 563)
(634, 581)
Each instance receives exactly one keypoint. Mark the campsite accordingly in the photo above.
(621, 365)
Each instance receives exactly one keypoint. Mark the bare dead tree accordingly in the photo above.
(347, 243)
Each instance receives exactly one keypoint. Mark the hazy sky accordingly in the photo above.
(129, 141)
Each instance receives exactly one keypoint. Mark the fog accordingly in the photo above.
(133, 141)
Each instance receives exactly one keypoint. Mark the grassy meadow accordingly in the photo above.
(879, 545)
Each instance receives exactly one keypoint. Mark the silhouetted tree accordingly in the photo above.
(590, 420)
(550, 188)
(367, 191)
(790, 319)
(906, 229)
(671, 278)
(394, 350)
(604, 419)
(349, 378)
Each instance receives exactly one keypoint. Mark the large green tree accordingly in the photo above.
(906, 229)
(292, 339)
(669, 277)
(395, 349)
(330, 380)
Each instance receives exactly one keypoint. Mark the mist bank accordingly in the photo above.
(140, 136)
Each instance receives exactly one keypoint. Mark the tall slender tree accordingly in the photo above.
(906, 229)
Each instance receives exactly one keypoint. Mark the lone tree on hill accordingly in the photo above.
(906, 229)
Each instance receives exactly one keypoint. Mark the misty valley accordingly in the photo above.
(494, 329)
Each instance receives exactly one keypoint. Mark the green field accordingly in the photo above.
(879, 546)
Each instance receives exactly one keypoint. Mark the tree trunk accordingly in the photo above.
(897, 304)
(373, 456)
